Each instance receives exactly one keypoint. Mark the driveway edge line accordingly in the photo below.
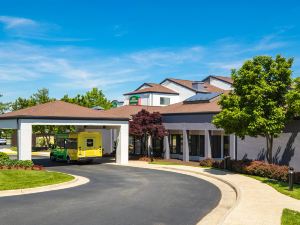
(77, 181)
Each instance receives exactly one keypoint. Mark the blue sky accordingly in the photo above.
(72, 46)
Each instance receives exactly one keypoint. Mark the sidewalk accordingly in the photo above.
(256, 203)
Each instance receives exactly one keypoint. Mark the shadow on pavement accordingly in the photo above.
(46, 162)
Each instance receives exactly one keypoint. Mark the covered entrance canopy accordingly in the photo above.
(61, 113)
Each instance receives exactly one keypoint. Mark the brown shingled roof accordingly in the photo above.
(154, 88)
(189, 84)
(129, 110)
(223, 78)
(60, 110)
(227, 79)
(182, 108)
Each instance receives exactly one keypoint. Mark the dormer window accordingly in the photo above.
(164, 101)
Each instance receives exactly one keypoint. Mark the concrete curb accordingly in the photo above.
(233, 186)
(210, 218)
(77, 181)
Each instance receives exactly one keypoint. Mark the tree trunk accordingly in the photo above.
(269, 153)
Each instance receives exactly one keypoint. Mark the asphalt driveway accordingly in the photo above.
(116, 195)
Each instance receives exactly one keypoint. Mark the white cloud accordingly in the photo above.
(24, 28)
(64, 69)
(15, 22)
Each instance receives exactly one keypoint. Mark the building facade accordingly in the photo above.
(187, 109)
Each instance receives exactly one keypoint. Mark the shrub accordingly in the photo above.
(207, 162)
(3, 156)
(16, 164)
(271, 171)
(262, 169)
(256, 168)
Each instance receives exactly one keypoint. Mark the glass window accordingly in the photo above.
(164, 101)
(226, 146)
(60, 142)
(89, 142)
(157, 146)
(176, 144)
(216, 146)
(71, 143)
(196, 145)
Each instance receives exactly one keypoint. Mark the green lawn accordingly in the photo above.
(281, 186)
(19, 179)
(165, 163)
(290, 217)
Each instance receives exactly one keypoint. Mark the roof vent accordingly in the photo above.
(198, 86)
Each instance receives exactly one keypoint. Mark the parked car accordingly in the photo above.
(82, 146)
(3, 141)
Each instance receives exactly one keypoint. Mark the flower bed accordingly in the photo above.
(7, 164)
(256, 168)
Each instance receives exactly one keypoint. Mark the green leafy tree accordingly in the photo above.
(258, 104)
(3, 106)
(293, 99)
(40, 97)
(90, 99)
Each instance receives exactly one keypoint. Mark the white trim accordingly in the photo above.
(58, 122)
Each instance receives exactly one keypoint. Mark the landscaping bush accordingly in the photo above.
(19, 164)
(272, 171)
(3, 156)
(207, 162)
(256, 168)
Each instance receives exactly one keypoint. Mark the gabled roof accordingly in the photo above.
(153, 88)
(222, 78)
(189, 85)
(60, 110)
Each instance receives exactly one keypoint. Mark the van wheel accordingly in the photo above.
(52, 158)
(69, 160)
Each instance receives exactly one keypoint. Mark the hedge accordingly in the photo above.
(6, 163)
(256, 168)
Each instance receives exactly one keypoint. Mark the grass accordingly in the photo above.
(13, 148)
(280, 186)
(165, 163)
(19, 179)
(290, 217)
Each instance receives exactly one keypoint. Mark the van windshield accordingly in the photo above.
(71, 143)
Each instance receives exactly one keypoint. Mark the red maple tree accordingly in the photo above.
(144, 125)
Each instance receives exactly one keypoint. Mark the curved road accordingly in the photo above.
(115, 196)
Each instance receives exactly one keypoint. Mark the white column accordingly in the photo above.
(232, 147)
(207, 146)
(222, 146)
(122, 144)
(24, 141)
(149, 145)
(166, 147)
(185, 151)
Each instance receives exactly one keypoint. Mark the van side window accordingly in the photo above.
(60, 142)
(89, 142)
(71, 143)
